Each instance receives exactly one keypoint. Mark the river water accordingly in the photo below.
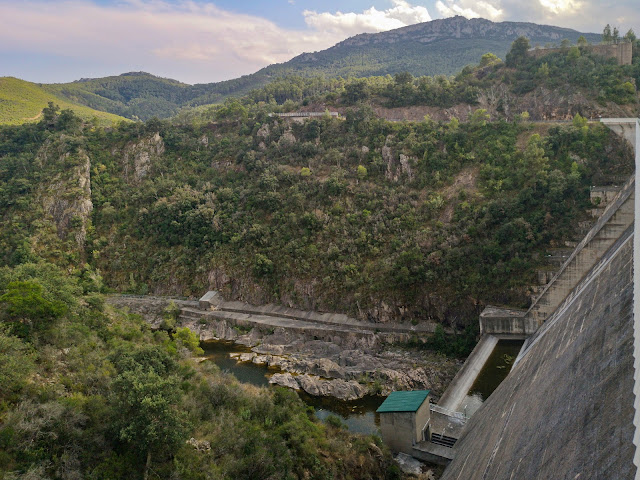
(494, 371)
(359, 416)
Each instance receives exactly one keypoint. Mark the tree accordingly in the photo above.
(232, 110)
(403, 78)
(361, 172)
(262, 265)
(147, 415)
(579, 121)
(565, 43)
(356, 91)
(574, 53)
(488, 59)
(543, 71)
(24, 304)
(305, 172)
(188, 339)
(50, 115)
(16, 363)
(68, 121)
(615, 37)
(582, 41)
(606, 34)
(479, 118)
(518, 52)
(630, 36)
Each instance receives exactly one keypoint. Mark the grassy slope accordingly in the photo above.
(22, 102)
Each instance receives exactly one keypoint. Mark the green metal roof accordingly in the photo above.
(403, 401)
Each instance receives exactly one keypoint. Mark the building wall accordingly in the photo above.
(397, 430)
(421, 419)
(401, 430)
(622, 52)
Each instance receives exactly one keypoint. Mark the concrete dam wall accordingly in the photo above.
(566, 409)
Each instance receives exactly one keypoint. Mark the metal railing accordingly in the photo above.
(447, 412)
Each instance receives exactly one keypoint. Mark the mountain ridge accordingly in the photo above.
(439, 47)
(533, 31)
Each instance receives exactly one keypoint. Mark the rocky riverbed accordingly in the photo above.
(346, 366)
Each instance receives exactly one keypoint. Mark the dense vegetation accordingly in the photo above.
(574, 68)
(431, 219)
(90, 393)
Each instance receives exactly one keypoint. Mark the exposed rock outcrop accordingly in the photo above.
(66, 197)
(319, 387)
(138, 156)
(287, 138)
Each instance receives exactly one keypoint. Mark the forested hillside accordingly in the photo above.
(90, 393)
(382, 220)
(553, 87)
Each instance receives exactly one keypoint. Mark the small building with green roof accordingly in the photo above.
(404, 419)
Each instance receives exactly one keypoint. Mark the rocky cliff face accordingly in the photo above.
(476, 28)
(138, 157)
(66, 197)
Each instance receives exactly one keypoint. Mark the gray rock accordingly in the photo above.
(284, 380)
(340, 389)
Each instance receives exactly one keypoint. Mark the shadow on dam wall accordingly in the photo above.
(566, 409)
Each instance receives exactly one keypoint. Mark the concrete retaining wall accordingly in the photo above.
(507, 322)
(462, 382)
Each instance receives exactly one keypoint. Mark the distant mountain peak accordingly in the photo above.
(460, 27)
(137, 74)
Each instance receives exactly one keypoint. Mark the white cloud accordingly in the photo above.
(470, 9)
(193, 42)
(372, 20)
(561, 6)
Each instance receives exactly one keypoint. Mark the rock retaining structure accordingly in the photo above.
(622, 52)
(213, 305)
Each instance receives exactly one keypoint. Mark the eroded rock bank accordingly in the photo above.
(346, 365)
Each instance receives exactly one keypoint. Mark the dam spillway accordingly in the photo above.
(567, 410)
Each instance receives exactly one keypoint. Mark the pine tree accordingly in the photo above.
(606, 34)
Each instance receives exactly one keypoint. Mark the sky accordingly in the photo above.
(201, 41)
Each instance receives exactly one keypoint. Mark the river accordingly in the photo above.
(359, 416)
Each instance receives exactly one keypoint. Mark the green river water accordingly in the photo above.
(359, 416)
